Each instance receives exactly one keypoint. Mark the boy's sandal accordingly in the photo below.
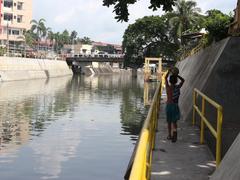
(174, 138)
(169, 137)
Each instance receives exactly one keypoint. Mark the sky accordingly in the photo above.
(89, 18)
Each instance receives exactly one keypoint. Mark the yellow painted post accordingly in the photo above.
(202, 122)
(153, 127)
(194, 104)
(159, 71)
(219, 136)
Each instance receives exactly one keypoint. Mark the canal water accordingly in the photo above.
(81, 128)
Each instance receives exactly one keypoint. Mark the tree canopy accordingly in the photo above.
(217, 24)
(185, 17)
(121, 7)
(148, 36)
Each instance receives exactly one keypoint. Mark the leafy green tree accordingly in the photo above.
(185, 17)
(217, 25)
(50, 36)
(65, 37)
(60, 40)
(85, 40)
(121, 6)
(73, 37)
(57, 44)
(148, 36)
(29, 37)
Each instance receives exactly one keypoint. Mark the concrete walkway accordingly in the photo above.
(184, 160)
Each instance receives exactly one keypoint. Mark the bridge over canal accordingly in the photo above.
(79, 63)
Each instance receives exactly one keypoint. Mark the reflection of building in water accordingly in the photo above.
(147, 102)
(24, 106)
(14, 127)
(148, 93)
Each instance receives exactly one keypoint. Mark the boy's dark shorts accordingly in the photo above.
(173, 112)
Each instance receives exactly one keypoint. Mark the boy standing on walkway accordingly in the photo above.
(172, 109)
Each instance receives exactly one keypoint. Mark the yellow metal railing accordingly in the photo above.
(192, 51)
(216, 133)
(141, 168)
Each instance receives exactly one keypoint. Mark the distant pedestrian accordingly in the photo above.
(172, 109)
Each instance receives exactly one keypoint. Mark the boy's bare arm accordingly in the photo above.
(182, 80)
(166, 78)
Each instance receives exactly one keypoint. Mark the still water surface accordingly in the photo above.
(81, 128)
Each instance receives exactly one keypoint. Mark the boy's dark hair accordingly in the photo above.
(173, 79)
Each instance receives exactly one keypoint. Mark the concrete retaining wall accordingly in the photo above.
(216, 72)
(12, 69)
(229, 167)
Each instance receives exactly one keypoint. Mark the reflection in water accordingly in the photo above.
(65, 128)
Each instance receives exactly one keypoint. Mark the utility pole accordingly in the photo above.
(7, 40)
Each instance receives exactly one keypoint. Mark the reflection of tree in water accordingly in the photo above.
(37, 110)
(133, 112)
(108, 87)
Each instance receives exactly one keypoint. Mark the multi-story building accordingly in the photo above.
(15, 18)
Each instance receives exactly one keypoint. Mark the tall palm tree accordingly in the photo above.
(185, 17)
(40, 29)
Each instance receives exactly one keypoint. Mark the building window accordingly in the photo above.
(15, 32)
(8, 17)
(20, 5)
(19, 19)
(8, 3)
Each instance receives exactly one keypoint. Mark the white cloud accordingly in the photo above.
(90, 18)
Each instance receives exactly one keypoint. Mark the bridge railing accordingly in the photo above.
(141, 167)
(205, 122)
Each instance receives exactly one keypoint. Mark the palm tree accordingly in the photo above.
(46, 34)
(185, 17)
(40, 29)
(50, 36)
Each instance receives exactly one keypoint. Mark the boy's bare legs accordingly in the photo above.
(169, 130)
(174, 132)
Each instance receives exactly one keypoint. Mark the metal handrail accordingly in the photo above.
(141, 168)
(216, 133)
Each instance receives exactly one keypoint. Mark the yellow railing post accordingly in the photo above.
(219, 136)
(194, 104)
(202, 122)
(153, 126)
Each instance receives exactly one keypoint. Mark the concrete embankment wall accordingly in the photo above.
(12, 69)
(216, 72)
(229, 167)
